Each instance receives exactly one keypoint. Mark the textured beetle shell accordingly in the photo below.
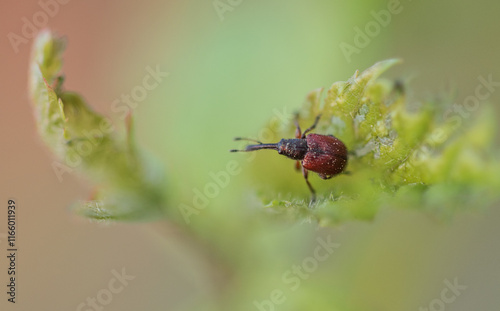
(326, 155)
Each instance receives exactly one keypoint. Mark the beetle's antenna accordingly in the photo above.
(256, 147)
(260, 145)
(249, 139)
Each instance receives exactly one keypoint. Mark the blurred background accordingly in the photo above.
(231, 65)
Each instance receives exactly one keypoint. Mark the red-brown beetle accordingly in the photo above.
(323, 154)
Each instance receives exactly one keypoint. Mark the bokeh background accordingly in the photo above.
(226, 77)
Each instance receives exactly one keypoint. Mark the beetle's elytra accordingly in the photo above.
(323, 154)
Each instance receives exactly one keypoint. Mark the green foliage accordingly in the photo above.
(419, 159)
(128, 185)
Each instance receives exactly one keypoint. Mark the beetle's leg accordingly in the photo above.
(312, 126)
(249, 139)
(313, 193)
(297, 165)
(298, 132)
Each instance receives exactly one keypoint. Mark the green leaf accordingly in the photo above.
(128, 186)
(401, 158)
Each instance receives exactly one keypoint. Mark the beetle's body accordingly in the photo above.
(323, 154)
(327, 155)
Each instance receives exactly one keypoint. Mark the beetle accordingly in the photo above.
(322, 154)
